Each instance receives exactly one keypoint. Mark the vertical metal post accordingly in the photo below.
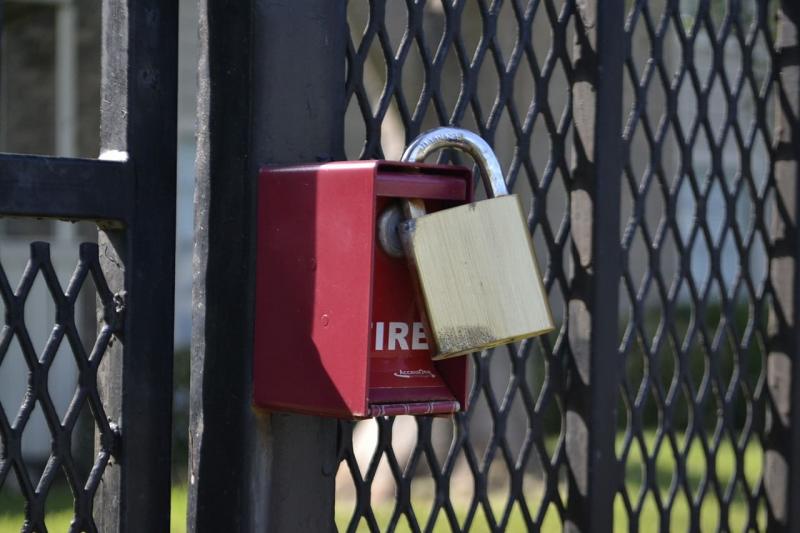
(271, 92)
(113, 140)
(222, 253)
(782, 441)
(593, 302)
(138, 127)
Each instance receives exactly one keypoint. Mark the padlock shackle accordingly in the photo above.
(465, 141)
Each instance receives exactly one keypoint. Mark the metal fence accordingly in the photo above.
(476, 64)
(655, 148)
(124, 387)
(655, 145)
(700, 365)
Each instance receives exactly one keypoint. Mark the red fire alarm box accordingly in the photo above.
(338, 330)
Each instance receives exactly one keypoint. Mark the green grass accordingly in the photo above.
(59, 510)
(59, 505)
(696, 469)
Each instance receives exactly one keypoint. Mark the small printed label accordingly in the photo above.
(406, 374)
(399, 336)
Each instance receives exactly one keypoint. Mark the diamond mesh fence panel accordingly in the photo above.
(47, 436)
(502, 69)
(698, 191)
(698, 198)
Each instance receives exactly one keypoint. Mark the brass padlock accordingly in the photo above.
(475, 265)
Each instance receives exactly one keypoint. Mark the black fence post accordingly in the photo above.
(593, 385)
(221, 314)
(272, 81)
(298, 117)
(138, 130)
(782, 439)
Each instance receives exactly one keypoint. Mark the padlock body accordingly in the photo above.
(478, 276)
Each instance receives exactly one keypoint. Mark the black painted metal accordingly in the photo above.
(297, 115)
(677, 375)
(133, 200)
(221, 330)
(289, 109)
(701, 370)
(545, 399)
(221, 333)
(594, 297)
(12, 425)
(139, 117)
(76, 189)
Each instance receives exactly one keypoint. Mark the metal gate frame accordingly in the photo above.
(130, 192)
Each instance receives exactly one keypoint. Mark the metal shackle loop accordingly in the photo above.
(465, 141)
